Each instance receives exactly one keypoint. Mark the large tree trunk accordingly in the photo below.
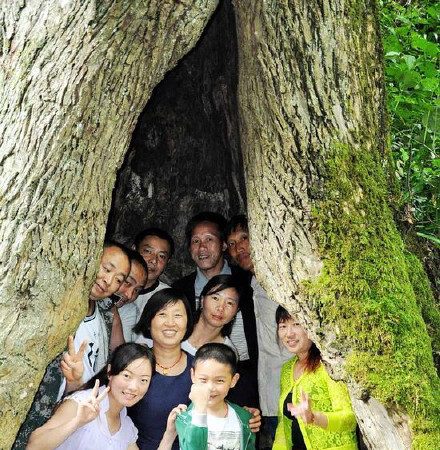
(75, 77)
(312, 128)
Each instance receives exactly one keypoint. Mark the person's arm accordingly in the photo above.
(342, 417)
(170, 433)
(192, 435)
(117, 336)
(72, 366)
(304, 410)
(279, 442)
(69, 417)
(135, 447)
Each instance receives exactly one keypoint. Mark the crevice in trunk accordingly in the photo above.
(185, 153)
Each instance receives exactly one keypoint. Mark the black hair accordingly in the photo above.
(121, 357)
(314, 354)
(221, 353)
(109, 243)
(235, 223)
(205, 216)
(156, 303)
(158, 232)
(137, 257)
(219, 283)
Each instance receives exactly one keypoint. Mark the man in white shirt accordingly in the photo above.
(113, 269)
(127, 294)
(270, 355)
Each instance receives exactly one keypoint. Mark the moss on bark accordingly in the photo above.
(375, 293)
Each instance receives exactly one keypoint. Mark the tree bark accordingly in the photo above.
(313, 134)
(75, 77)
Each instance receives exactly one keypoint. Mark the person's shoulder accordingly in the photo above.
(242, 413)
(182, 282)
(80, 395)
(243, 275)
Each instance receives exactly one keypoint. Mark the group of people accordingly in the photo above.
(213, 340)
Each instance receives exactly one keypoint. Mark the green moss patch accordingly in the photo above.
(366, 294)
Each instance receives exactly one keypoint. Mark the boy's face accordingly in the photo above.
(218, 377)
(113, 270)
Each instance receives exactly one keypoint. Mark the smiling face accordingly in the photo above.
(220, 308)
(168, 326)
(239, 249)
(156, 253)
(293, 336)
(206, 248)
(218, 376)
(133, 284)
(131, 384)
(113, 269)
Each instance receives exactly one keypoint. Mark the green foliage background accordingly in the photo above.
(411, 46)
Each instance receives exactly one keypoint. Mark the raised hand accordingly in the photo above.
(171, 421)
(199, 395)
(303, 409)
(88, 409)
(72, 365)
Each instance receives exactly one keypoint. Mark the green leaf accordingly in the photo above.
(430, 237)
(410, 60)
(421, 43)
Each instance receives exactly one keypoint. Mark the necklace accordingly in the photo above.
(165, 370)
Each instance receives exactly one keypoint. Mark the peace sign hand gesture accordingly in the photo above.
(72, 365)
(302, 409)
(88, 409)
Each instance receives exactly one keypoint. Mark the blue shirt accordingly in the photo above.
(151, 413)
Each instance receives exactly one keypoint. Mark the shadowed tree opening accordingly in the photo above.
(308, 90)
(185, 154)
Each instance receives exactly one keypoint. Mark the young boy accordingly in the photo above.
(211, 422)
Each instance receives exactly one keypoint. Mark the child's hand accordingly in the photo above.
(170, 432)
(72, 365)
(171, 422)
(199, 395)
(302, 409)
(255, 420)
(88, 410)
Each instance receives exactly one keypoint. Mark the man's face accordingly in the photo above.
(156, 253)
(239, 249)
(206, 248)
(133, 284)
(113, 269)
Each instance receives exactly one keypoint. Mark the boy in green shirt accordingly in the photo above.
(210, 422)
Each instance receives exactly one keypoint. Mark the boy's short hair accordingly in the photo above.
(158, 232)
(221, 353)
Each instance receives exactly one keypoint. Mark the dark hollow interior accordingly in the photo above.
(185, 154)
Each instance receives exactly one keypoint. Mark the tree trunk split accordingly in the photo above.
(75, 77)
